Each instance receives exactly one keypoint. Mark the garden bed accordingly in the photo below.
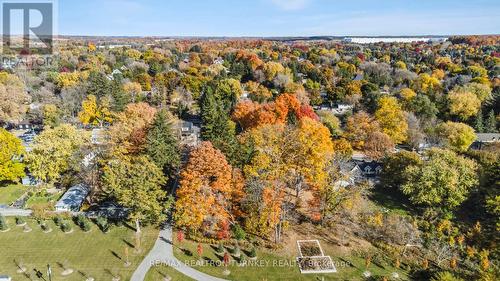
(316, 265)
(309, 248)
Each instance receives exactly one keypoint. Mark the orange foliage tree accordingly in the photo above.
(207, 195)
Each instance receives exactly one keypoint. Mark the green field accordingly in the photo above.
(11, 193)
(272, 267)
(95, 254)
(160, 272)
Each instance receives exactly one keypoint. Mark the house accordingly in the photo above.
(5, 278)
(30, 180)
(484, 139)
(189, 133)
(73, 199)
(218, 60)
(358, 77)
(98, 136)
(341, 109)
(369, 169)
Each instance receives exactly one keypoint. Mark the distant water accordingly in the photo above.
(368, 40)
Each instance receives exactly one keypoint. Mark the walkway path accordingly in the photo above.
(163, 254)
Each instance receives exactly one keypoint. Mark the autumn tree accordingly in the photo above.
(13, 98)
(162, 144)
(51, 151)
(457, 136)
(51, 115)
(136, 182)
(128, 132)
(378, 145)
(463, 104)
(393, 174)
(392, 119)
(11, 149)
(359, 127)
(94, 114)
(443, 180)
(205, 193)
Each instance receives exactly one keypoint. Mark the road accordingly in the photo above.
(163, 254)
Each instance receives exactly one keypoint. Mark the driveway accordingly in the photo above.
(163, 254)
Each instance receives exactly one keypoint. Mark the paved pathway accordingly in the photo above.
(13, 212)
(163, 254)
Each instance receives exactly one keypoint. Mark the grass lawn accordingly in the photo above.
(390, 200)
(160, 272)
(10, 193)
(42, 198)
(94, 253)
(268, 266)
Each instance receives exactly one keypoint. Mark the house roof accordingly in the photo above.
(488, 137)
(74, 196)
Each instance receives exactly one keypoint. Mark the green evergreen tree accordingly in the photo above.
(162, 145)
(120, 98)
(479, 125)
(491, 123)
(217, 127)
(98, 84)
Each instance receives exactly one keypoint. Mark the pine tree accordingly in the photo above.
(120, 97)
(162, 145)
(217, 127)
(479, 125)
(491, 123)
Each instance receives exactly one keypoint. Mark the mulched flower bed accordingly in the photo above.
(309, 248)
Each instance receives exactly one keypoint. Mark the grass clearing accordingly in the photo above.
(95, 254)
(10, 193)
(270, 266)
(158, 273)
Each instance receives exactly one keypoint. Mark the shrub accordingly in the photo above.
(252, 253)
(220, 248)
(20, 220)
(103, 224)
(44, 226)
(239, 233)
(80, 219)
(65, 226)
(58, 220)
(83, 222)
(3, 223)
(86, 226)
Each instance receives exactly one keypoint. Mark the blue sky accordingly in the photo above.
(277, 17)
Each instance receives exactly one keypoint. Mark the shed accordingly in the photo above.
(5, 278)
(72, 200)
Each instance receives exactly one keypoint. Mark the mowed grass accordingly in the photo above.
(158, 273)
(43, 198)
(269, 266)
(95, 254)
(10, 193)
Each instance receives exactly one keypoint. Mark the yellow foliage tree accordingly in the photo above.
(392, 120)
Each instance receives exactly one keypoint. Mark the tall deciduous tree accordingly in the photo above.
(130, 128)
(463, 104)
(206, 196)
(457, 136)
(442, 181)
(392, 119)
(136, 182)
(13, 98)
(51, 151)
(11, 169)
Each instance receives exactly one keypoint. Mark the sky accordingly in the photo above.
(239, 18)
